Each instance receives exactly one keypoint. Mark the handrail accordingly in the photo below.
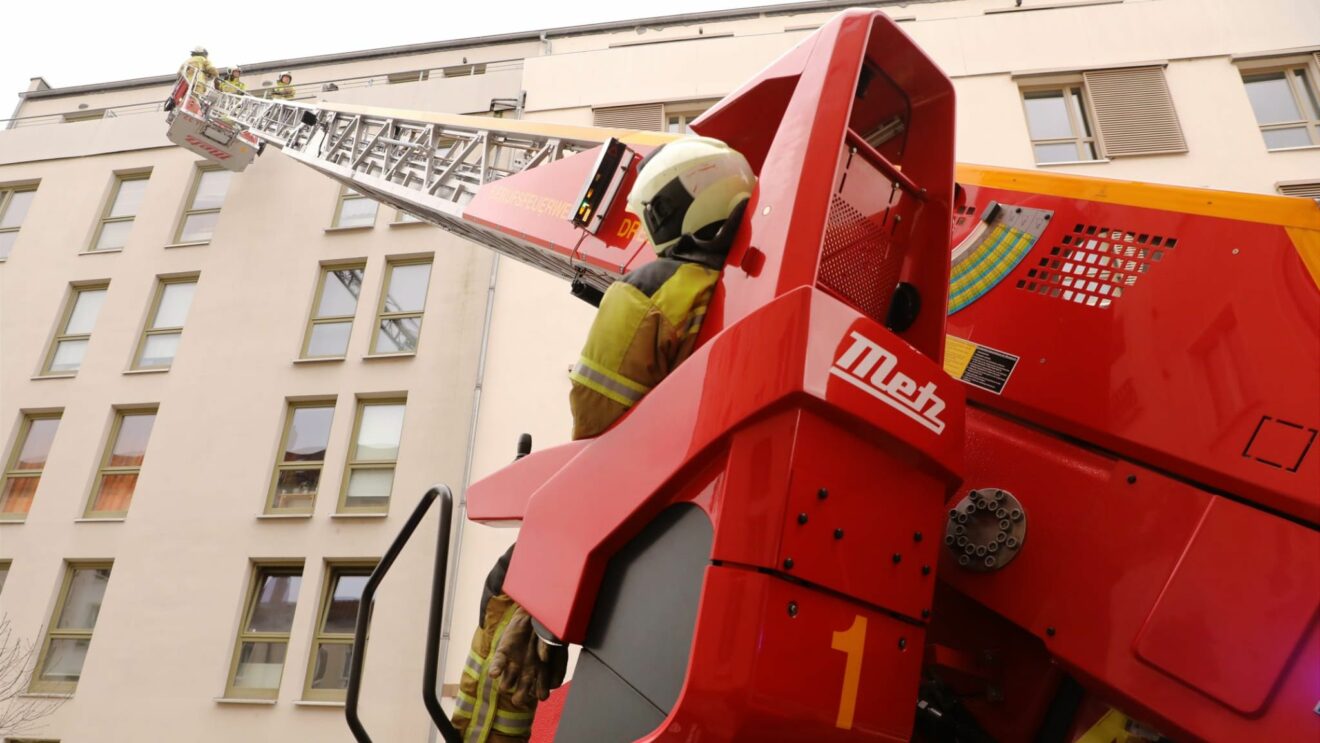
(871, 154)
(447, 730)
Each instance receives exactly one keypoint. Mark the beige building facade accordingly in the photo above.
(221, 397)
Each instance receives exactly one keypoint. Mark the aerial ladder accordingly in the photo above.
(965, 453)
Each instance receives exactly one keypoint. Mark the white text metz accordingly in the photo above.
(871, 368)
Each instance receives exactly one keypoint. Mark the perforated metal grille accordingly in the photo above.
(860, 263)
(1094, 265)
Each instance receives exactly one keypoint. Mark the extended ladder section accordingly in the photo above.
(428, 165)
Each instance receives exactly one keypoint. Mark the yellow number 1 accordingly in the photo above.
(851, 642)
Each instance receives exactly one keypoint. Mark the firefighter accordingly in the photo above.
(283, 86)
(689, 197)
(198, 60)
(231, 83)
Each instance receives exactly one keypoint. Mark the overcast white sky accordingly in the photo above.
(74, 42)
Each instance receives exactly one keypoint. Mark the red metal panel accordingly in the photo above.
(1215, 337)
(1104, 536)
(1234, 612)
(759, 673)
(502, 496)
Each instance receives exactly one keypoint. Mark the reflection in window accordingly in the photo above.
(120, 211)
(302, 455)
(204, 202)
(1286, 107)
(14, 204)
(26, 462)
(332, 647)
(373, 452)
(354, 210)
(121, 463)
(70, 634)
(331, 321)
(1057, 121)
(263, 637)
(164, 329)
(399, 321)
(70, 345)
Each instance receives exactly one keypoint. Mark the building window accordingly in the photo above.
(120, 211)
(331, 321)
(70, 633)
(4, 573)
(1060, 131)
(402, 217)
(332, 647)
(675, 118)
(263, 637)
(301, 457)
(14, 204)
(160, 336)
(23, 471)
(372, 454)
(1287, 107)
(204, 201)
(399, 316)
(354, 210)
(75, 329)
(120, 465)
(679, 117)
(1304, 189)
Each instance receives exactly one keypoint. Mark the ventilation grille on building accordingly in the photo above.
(1134, 112)
(859, 264)
(648, 117)
(1094, 265)
(1311, 189)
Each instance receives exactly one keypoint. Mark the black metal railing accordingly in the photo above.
(430, 672)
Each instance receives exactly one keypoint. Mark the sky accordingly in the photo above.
(81, 42)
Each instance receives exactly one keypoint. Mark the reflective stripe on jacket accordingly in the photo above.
(483, 713)
(646, 325)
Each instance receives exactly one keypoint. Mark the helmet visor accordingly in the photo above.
(665, 211)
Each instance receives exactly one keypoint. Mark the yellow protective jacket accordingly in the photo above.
(232, 86)
(282, 90)
(201, 63)
(647, 324)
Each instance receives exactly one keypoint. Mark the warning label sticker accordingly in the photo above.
(977, 365)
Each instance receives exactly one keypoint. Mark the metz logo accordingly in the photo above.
(211, 150)
(870, 368)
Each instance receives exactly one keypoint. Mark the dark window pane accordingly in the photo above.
(1277, 139)
(277, 595)
(260, 665)
(296, 488)
(309, 431)
(1271, 98)
(64, 659)
(341, 616)
(1047, 115)
(332, 661)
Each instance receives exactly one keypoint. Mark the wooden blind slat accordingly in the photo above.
(1134, 112)
(646, 116)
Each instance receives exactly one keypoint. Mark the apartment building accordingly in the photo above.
(222, 395)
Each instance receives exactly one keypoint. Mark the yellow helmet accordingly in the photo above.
(689, 187)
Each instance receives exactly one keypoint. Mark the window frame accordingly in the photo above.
(6, 567)
(381, 315)
(103, 467)
(62, 334)
(1065, 86)
(200, 170)
(351, 462)
(148, 330)
(24, 429)
(689, 111)
(104, 218)
(346, 194)
(323, 272)
(1288, 67)
(330, 575)
(281, 466)
(6, 198)
(53, 632)
(258, 570)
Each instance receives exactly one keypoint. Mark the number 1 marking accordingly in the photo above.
(851, 642)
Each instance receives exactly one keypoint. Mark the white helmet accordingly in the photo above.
(199, 51)
(689, 187)
(283, 75)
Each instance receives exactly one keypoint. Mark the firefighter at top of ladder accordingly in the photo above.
(230, 82)
(689, 196)
(283, 86)
(199, 61)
